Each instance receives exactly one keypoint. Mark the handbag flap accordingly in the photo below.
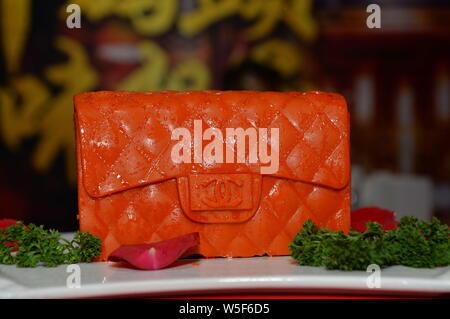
(125, 138)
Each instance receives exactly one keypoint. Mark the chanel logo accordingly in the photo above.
(222, 192)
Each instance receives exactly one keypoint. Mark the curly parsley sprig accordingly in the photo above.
(31, 245)
(414, 243)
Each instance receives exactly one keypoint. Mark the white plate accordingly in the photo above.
(205, 276)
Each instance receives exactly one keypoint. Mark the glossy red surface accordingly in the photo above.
(131, 191)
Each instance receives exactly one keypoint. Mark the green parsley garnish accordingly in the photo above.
(38, 246)
(414, 243)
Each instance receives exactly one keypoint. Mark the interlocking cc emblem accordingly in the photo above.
(223, 195)
(219, 198)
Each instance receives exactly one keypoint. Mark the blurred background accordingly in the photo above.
(395, 79)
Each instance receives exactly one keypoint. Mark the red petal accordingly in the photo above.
(155, 255)
(10, 244)
(375, 214)
(7, 222)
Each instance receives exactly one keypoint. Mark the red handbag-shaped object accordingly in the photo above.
(244, 169)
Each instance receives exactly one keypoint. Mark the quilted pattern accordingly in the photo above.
(153, 213)
(127, 182)
(125, 137)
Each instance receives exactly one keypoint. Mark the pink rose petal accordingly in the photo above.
(155, 255)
